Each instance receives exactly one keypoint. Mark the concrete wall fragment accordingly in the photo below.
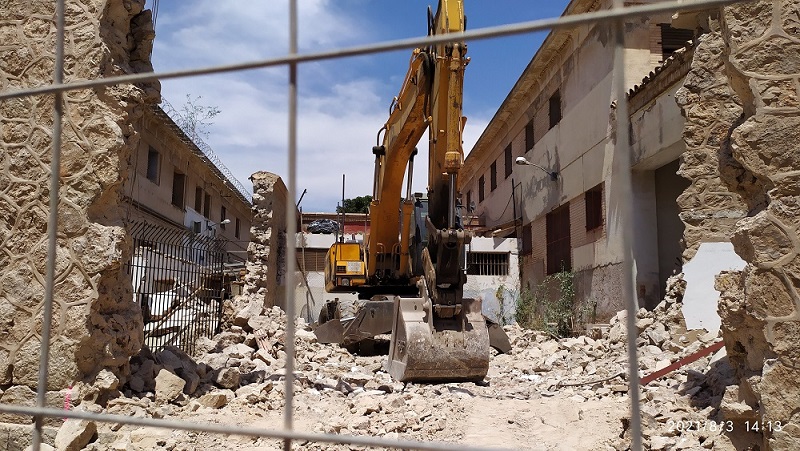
(266, 263)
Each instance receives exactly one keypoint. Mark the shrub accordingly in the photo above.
(550, 306)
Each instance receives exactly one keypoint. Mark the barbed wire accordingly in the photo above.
(203, 146)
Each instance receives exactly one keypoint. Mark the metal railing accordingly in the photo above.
(179, 281)
(292, 59)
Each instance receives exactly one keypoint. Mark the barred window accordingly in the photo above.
(487, 263)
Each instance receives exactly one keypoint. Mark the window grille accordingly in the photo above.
(487, 263)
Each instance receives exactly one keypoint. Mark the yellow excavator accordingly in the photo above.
(409, 273)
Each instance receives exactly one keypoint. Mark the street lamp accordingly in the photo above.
(524, 162)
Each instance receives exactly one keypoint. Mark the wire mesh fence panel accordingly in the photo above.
(179, 280)
(178, 276)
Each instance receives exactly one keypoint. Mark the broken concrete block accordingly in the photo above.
(75, 434)
(228, 377)
(213, 400)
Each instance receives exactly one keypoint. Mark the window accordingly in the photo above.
(178, 188)
(509, 161)
(469, 201)
(493, 176)
(236, 230)
(529, 142)
(207, 206)
(673, 39)
(555, 109)
(594, 207)
(559, 251)
(481, 194)
(222, 214)
(198, 199)
(527, 239)
(487, 263)
(153, 166)
(196, 226)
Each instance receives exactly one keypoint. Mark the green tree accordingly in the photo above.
(355, 205)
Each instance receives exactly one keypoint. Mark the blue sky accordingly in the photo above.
(342, 103)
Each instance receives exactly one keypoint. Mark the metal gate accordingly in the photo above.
(179, 280)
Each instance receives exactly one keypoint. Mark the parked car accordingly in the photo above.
(326, 226)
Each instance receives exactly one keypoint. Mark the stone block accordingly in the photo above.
(75, 434)
(168, 386)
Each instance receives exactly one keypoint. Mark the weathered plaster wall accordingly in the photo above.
(95, 323)
(751, 68)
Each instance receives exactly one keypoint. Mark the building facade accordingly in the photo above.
(174, 184)
(560, 117)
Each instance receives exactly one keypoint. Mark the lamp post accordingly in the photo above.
(522, 161)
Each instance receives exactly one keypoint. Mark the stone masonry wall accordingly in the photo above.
(763, 62)
(709, 207)
(266, 252)
(758, 46)
(95, 323)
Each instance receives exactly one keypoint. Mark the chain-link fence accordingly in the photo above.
(292, 59)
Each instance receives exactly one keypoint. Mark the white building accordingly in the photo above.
(560, 116)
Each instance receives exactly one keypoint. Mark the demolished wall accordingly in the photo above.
(709, 207)
(753, 60)
(266, 263)
(95, 323)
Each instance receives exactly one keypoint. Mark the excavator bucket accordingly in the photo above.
(425, 348)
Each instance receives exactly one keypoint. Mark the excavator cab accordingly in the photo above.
(344, 267)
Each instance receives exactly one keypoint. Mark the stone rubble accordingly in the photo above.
(240, 374)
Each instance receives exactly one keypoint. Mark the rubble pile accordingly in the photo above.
(240, 375)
